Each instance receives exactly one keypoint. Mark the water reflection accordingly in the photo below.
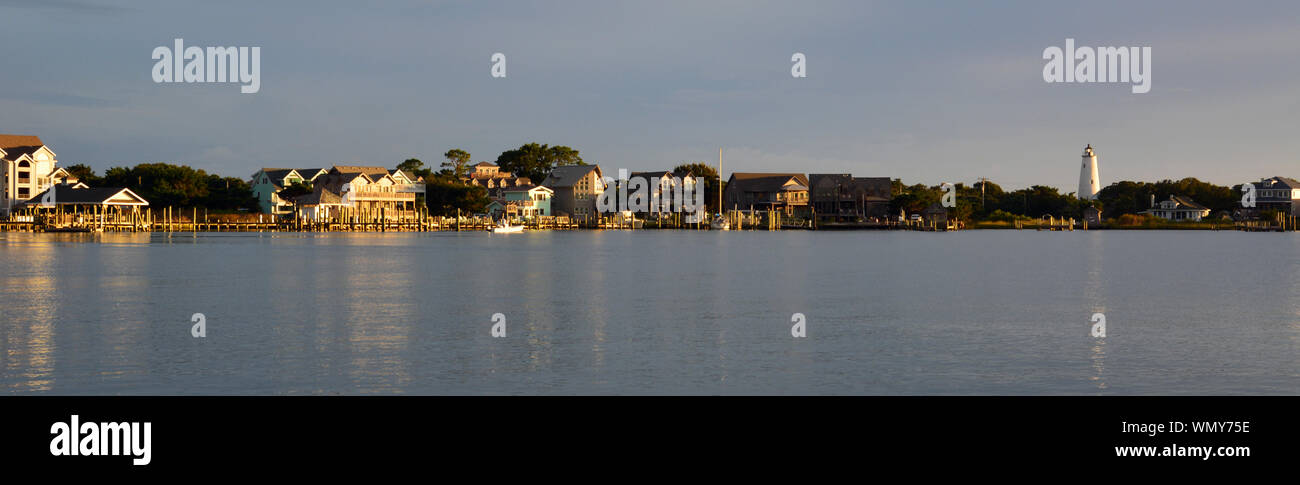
(32, 305)
(1094, 301)
(1099, 364)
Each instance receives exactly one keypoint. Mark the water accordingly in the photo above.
(652, 312)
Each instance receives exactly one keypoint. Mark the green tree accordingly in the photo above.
(457, 163)
(84, 174)
(414, 167)
(295, 190)
(444, 195)
(536, 161)
(164, 184)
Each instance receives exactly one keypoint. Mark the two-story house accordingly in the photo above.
(368, 192)
(1281, 194)
(576, 189)
(268, 182)
(843, 197)
(784, 192)
(28, 167)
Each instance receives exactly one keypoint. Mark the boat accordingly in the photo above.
(720, 223)
(506, 228)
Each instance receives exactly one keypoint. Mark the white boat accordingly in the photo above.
(506, 228)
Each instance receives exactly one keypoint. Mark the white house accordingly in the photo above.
(28, 168)
(1178, 208)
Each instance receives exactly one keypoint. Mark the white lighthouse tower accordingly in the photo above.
(1089, 181)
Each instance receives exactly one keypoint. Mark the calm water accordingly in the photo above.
(976, 312)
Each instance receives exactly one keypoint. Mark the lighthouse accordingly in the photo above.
(1089, 182)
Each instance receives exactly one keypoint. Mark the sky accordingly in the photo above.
(925, 91)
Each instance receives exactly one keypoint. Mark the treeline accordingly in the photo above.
(168, 185)
(990, 203)
(445, 194)
(1117, 199)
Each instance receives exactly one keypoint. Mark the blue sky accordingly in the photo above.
(924, 91)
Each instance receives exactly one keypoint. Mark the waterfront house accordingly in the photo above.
(576, 188)
(530, 200)
(662, 189)
(360, 191)
(1281, 194)
(784, 192)
(489, 176)
(1177, 208)
(845, 198)
(28, 167)
(267, 184)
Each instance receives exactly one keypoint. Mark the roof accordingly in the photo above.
(525, 188)
(374, 172)
(320, 196)
(277, 175)
(765, 182)
(1187, 203)
(485, 164)
(568, 175)
(1288, 181)
(652, 175)
(65, 194)
(879, 188)
(309, 173)
(18, 145)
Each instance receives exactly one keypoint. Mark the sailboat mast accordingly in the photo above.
(719, 180)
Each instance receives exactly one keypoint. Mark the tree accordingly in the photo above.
(84, 174)
(707, 174)
(295, 190)
(457, 163)
(413, 167)
(1128, 197)
(444, 196)
(536, 161)
(165, 185)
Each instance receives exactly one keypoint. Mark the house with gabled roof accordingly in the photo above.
(27, 167)
(489, 176)
(576, 189)
(370, 191)
(1281, 194)
(843, 197)
(1178, 208)
(784, 192)
(268, 182)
